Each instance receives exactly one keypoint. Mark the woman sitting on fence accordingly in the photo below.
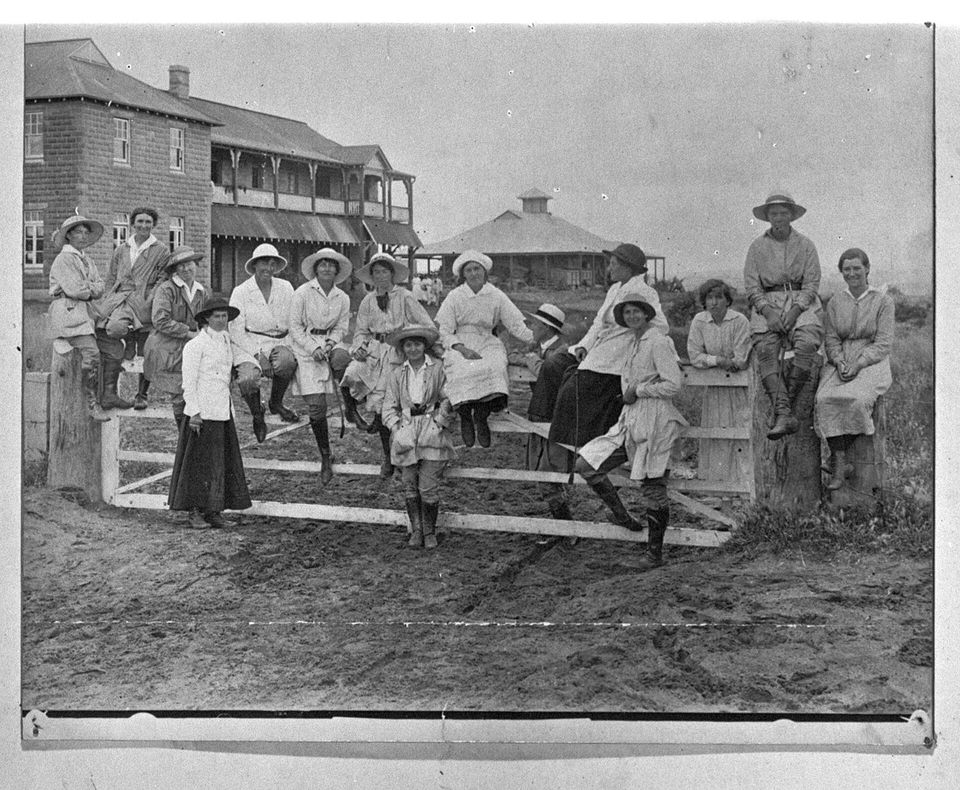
(475, 360)
(384, 310)
(858, 324)
(176, 303)
(319, 320)
(208, 475)
(418, 414)
(646, 430)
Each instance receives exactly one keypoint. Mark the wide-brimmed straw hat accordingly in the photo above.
(549, 315)
(217, 303)
(629, 254)
(428, 333)
(471, 256)
(632, 298)
(308, 264)
(400, 271)
(182, 255)
(265, 251)
(779, 199)
(60, 235)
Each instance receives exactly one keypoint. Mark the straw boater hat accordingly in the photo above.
(308, 264)
(217, 303)
(471, 256)
(424, 331)
(550, 316)
(60, 235)
(632, 298)
(181, 255)
(779, 199)
(400, 271)
(629, 254)
(265, 251)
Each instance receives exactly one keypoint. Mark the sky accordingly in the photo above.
(662, 135)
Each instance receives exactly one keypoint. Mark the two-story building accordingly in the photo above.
(224, 179)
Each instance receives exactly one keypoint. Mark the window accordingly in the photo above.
(121, 229)
(216, 172)
(33, 134)
(176, 149)
(121, 140)
(256, 180)
(33, 240)
(176, 232)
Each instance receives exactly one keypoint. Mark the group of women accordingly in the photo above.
(609, 395)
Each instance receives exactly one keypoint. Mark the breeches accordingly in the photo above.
(423, 478)
(111, 346)
(280, 362)
(88, 348)
(803, 340)
(316, 406)
(653, 489)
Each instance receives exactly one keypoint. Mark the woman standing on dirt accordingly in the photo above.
(176, 303)
(647, 429)
(588, 401)
(384, 310)
(319, 320)
(418, 414)
(208, 475)
(858, 335)
(475, 360)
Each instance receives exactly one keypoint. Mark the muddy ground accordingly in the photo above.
(126, 609)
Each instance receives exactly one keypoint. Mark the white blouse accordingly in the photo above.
(207, 366)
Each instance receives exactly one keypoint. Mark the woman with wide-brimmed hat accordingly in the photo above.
(647, 428)
(319, 321)
(387, 308)
(75, 282)
(208, 475)
(417, 412)
(176, 303)
(475, 359)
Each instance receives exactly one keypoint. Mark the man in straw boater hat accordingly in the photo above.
(260, 335)
(319, 320)
(781, 278)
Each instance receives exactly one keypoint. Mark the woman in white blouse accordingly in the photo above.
(475, 360)
(208, 475)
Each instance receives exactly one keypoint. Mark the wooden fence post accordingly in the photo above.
(74, 459)
(787, 470)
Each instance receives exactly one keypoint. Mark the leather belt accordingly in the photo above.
(274, 335)
(783, 287)
(320, 331)
(419, 409)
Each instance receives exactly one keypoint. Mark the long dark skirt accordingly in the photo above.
(588, 405)
(208, 470)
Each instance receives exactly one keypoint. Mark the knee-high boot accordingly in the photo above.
(110, 373)
(784, 421)
(91, 390)
(255, 405)
(657, 520)
(429, 511)
(350, 413)
(386, 465)
(415, 529)
(795, 383)
(277, 390)
(322, 434)
(608, 493)
(140, 400)
(467, 432)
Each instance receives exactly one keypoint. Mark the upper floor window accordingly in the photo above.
(33, 135)
(176, 232)
(176, 149)
(121, 140)
(33, 240)
(256, 177)
(121, 229)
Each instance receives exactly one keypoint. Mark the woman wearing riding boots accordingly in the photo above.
(646, 430)
(859, 326)
(176, 303)
(319, 320)
(384, 310)
(474, 359)
(208, 475)
(418, 414)
(74, 283)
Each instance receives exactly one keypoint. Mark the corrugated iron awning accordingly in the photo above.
(259, 223)
(391, 233)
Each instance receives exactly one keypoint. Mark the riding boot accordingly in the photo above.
(467, 432)
(91, 390)
(386, 466)
(322, 435)
(795, 383)
(481, 411)
(429, 511)
(140, 400)
(656, 528)
(784, 421)
(256, 409)
(277, 390)
(559, 508)
(110, 370)
(415, 528)
(608, 493)
(350, 413)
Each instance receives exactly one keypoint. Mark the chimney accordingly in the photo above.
(180, 82)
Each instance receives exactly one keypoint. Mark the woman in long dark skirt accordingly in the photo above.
(208, 475)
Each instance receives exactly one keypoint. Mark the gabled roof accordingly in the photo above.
(78, 69)
(364, 154)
